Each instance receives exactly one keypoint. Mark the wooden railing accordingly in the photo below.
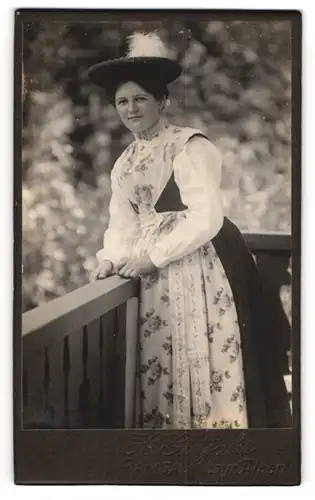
(74, 357)
(79, 350)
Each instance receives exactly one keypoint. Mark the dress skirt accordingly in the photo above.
(205, 360)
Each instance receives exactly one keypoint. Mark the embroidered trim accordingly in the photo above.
(152, 132)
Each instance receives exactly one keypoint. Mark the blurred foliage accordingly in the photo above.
(235, 86)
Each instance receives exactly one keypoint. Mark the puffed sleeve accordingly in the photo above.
(123, 227)
(197, 171)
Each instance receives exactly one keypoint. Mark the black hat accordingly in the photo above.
(147, 57)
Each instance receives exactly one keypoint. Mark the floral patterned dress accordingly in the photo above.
(190, 369)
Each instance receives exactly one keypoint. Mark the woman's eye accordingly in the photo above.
(124, 102)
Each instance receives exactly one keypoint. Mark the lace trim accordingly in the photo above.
(152, 132)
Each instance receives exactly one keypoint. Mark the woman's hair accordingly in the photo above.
(157, 89)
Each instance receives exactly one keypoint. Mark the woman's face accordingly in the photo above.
(137, 109)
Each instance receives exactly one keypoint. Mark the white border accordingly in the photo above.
(7, 489)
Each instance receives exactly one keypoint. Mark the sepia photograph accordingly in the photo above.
(156, 223)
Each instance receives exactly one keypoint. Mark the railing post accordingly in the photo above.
(131, 359)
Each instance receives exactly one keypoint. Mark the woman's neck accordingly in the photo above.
(152, 131)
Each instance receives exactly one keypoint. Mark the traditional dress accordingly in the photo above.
(198, 361)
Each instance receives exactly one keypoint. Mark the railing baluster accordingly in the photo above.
(85, 351)
(101, 384)
(48, 417)
(131, 366)
(120, 364)
(84, 394)
(66, 375)
(33, 389)
(109, 366)
(46, 381)
(75, 378)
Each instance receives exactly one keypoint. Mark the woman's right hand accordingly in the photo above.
(102, 271)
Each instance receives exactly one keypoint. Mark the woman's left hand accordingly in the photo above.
(136, 267)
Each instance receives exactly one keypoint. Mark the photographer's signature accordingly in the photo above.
(166, 454)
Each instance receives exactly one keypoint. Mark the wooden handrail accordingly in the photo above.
(268, 241)
(61, 316)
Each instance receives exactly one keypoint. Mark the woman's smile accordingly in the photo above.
(138, 109)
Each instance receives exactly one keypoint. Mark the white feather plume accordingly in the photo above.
(146, 45)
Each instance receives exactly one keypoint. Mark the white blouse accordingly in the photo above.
(197, 172)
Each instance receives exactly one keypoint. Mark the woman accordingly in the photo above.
(205, 357)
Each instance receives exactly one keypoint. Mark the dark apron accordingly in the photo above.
(267, 398)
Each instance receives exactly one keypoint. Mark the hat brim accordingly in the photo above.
(106, 74)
